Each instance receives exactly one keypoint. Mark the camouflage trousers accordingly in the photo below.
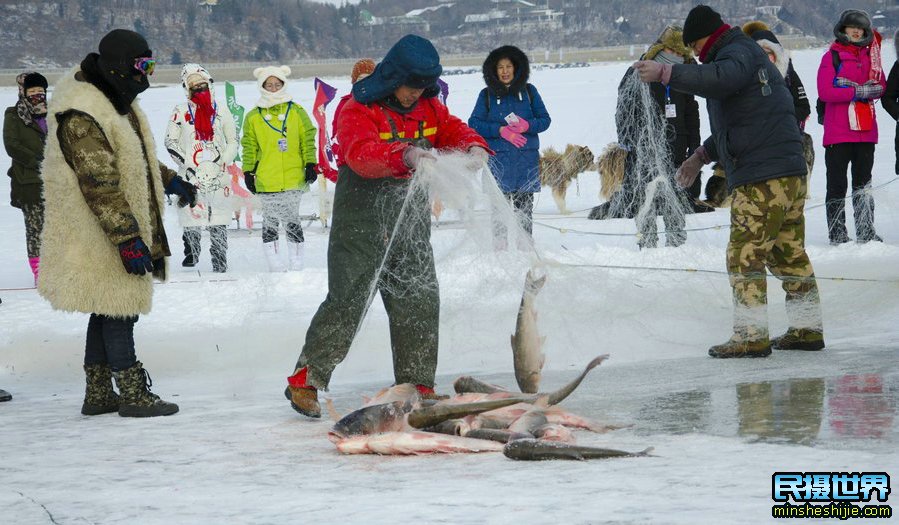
(767, 230)
(34, 224)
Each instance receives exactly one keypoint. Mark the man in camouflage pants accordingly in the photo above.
(755, 138)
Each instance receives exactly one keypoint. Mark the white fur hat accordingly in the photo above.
(279, 72)
(281, 96)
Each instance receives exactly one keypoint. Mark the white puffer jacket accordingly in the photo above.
(215, 205)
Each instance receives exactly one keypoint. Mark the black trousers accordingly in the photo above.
(110, 340)
(838, 157)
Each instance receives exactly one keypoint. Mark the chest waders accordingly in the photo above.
(365, 216)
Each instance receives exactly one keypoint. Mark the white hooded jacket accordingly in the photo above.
(214, 204)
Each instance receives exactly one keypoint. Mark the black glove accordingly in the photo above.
(186, 192)
(249, 178)
(311, 174)
(136, 256)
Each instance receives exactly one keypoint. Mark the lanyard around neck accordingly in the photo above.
(283, 130)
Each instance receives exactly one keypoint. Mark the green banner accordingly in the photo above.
(236, 109)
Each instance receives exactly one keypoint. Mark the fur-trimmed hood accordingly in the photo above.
(764, 37)
(522, 70)
(857, 18)
(673, 38)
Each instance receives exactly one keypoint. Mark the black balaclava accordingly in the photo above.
(114, 66)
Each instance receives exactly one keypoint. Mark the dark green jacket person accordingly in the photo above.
(380, 237)
(24, 135)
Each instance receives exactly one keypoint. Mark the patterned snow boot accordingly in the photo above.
(99, 397)
(740, 348)
(136, 400)
(800, 339)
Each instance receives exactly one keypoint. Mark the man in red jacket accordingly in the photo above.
(380, 237)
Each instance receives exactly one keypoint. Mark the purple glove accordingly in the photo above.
(413, 155)
(521, 126)
(515, 139)
(689, 170)
(652, 71)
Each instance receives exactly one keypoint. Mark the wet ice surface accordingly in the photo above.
(719, 431)
(221, 346)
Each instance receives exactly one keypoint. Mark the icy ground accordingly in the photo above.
(221, 345)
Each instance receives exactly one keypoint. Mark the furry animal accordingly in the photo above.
(557, 170)
(611, 169)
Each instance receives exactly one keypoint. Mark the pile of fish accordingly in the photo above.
(481, 417)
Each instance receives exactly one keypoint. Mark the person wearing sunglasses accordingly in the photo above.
(103, 241)
(24, 135)
(756, 139)
(202, 140)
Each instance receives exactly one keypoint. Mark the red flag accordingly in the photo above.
(323, 95)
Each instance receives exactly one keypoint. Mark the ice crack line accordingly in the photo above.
(49, 514)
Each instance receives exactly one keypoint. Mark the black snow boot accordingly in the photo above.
(136, 399)
(836, 222)
(5, 396)
(99, 397)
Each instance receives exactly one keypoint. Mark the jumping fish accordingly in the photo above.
(535, 450)
(414, 443)
(527, 344)
(405, 392)
(529, 422)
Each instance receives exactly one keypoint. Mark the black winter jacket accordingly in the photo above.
(890, 103)
(751, 112)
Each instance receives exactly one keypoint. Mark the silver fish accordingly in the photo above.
(535, 450)
(527, 344)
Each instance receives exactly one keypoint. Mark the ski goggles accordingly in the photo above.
(145, 65)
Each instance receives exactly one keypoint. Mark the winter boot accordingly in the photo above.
(295, 253)
(272, 257)
(863, 212)
(189, 261)
(303, 398)
(35, 263)
(740, 348)
(428, 393)
(136, 400)
(799, 339)
(4, 395)
(836, 222)
(99, 397)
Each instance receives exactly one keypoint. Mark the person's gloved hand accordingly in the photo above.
(136, 256)
(516, 139)
(649, 70)
(520, 126)
(249, 178)
(869, 90)
(477, 158)
(689, 170)
(186, 192)
(413, 155)
(311, 174)
(844, 82)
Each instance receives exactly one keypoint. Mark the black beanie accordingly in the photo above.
(120, 47)
(34, 80)
(701, 22)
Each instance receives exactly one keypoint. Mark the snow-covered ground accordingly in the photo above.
(221, 346)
